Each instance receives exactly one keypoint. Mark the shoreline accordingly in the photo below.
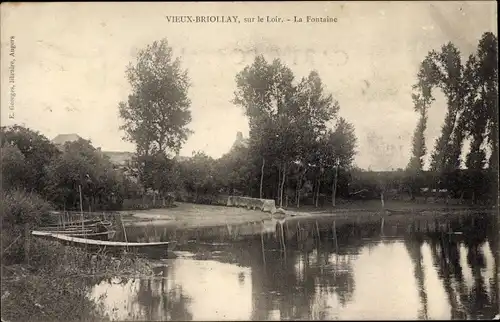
(199, 222)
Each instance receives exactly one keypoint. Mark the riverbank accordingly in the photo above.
(189, 223)
(187, 215)
(49, 285)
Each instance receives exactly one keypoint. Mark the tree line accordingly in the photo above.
(299, 149)
(296, 136)
(471, 92)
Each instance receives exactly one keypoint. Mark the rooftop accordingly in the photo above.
(61, 139)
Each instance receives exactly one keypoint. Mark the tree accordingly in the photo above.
(471, 91)
(416, 163)
(447, 74)
(157, 172)
(234, 170)
(157, 111)
(343, 144)
(266, 93)
(80, 164)
(37, 153)
(198, 174)
(13, 168)
(487, 72)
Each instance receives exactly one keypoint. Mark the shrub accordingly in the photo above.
(20, 209)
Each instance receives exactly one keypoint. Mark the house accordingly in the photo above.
(117, 158)
(61, 139)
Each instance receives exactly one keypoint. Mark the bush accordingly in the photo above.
(19, 210)
(52, 287)
(45, 298)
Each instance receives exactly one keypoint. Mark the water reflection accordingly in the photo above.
(420, 272)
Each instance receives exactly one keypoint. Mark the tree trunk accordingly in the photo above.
(262, 176)
(382, 199)
(278, 200)
(282, 185)
(297, 192)
(314, 191)
(334, 188)
(317, 192)
(298, 198)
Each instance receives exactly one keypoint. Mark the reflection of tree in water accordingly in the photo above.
(477, 302)
(159, 302)
(414, 248)
(311, 273)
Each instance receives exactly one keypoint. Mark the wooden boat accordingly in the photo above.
(79, 223)
(105, 235)
(102, 224)
(69, 232)
(92, 242)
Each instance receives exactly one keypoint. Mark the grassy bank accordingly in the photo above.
(41, 279)
(48, 286)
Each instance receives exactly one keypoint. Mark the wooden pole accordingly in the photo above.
(334, 190)
(124, 231)
(262, 176)
(382, 226)
(81, 207)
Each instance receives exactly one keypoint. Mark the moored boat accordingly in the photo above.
(69, 232)
(92, 242)
(105, 235)
(96, 227)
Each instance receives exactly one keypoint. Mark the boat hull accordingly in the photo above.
(112, 244)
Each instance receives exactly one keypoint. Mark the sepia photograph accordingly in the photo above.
(222, 161)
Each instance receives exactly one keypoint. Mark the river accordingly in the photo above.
(362, 272)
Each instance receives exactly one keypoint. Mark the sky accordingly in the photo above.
(70, 60)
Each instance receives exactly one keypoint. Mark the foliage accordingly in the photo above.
(419, 150)
(80, 164)
(234, 170)
(157, 111)
(198, 174)
(471, 90)
(20, 207)
(157, 172)
(46, 288)
(289, 126)
(14, 167)
(44, 298)
(37, 153)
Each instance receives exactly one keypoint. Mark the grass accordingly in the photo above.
(50, 286)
